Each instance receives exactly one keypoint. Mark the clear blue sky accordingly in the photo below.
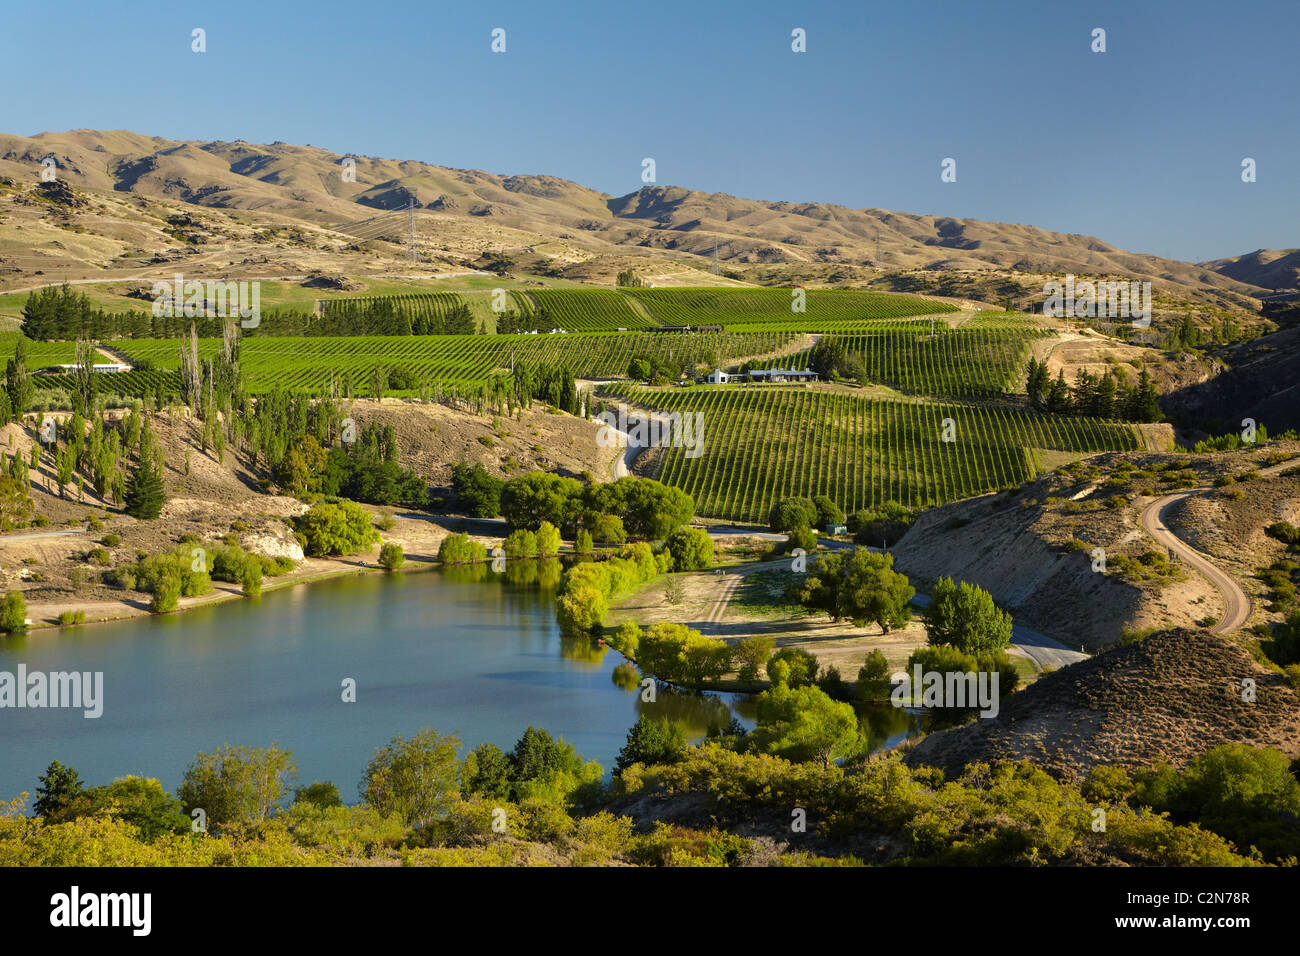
(1141, 145)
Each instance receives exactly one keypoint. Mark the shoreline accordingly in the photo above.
(44, 617)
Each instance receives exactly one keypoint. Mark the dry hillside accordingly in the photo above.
(1170, 697)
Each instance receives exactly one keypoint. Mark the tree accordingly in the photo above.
(753, 653)
(487, 772)
(548, 540)
(322, 794)
(145, 494)
(419, 779)
(652, 742)
(13, 613)
(804, 724)
(863, 587)
(18, 380)
(676, 653)
(391, 557)
(691, 549)
(236, 784)
(790, 513)
(828, 513)
(581, 612)
(800, 668)
(478, 493)
(873, 677)
(250, 578)
(343, 527)
(142, 802)
(58, 787)
(965, 617)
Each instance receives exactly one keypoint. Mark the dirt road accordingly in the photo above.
(1236, 602)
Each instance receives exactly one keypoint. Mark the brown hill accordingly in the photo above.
(1274, 269)
(1170, 697)
(561, 223)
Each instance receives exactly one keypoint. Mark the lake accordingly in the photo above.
(463, 651)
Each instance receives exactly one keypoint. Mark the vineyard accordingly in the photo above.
(825, 310)
(976, 362)
(590, 310)
(309, 364)
(764, 444)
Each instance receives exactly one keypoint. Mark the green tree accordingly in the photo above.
(965, 617)
(691, 549)
(487, 772)
(828, 513)
(237, 784)
(57, 788)
(862, 586)
(322, 794)
(391, 557)
(419, 779)
(791, 513)
(343, 527)
(144, 493)
(873, 677)
(652, 742)
(804, 724)
(13, 613)
(142, 802)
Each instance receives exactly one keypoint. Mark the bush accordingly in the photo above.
(335, 529)
(459, 549)
(391, 557)
(166, 596)
(98, 556)
(790, 513)
(691, 549)
(251, 578)
(72, 617)
(521, 544)
(110, 540)
(13, 613)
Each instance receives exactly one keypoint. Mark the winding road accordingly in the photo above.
(1236, 602)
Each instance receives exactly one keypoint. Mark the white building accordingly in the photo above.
(719, 377)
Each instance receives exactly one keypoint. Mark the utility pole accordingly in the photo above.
(410, 229)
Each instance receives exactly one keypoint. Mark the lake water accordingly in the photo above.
(466, 652)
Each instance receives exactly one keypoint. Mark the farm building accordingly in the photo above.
(783, 375)
(719, 377)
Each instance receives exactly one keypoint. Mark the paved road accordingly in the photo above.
(1236, 602)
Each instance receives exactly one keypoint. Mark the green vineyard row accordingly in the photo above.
(766, 443)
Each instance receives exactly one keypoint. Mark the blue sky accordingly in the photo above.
(1141, 145)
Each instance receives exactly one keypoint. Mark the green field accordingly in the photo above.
(764, 443)
(825, 310)
(973, 362)
(308, 364)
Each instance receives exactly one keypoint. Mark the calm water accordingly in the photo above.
(468, 653)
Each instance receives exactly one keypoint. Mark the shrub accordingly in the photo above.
(13, 612)
(391, 556)
(110, 540)
(72, 617)
(166, 596)
(336, 528)
(691, 549)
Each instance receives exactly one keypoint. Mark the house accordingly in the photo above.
(98, 367)
(719, 377)
(776, 375)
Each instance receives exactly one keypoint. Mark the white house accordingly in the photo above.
(783, 375)
(719, 377)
